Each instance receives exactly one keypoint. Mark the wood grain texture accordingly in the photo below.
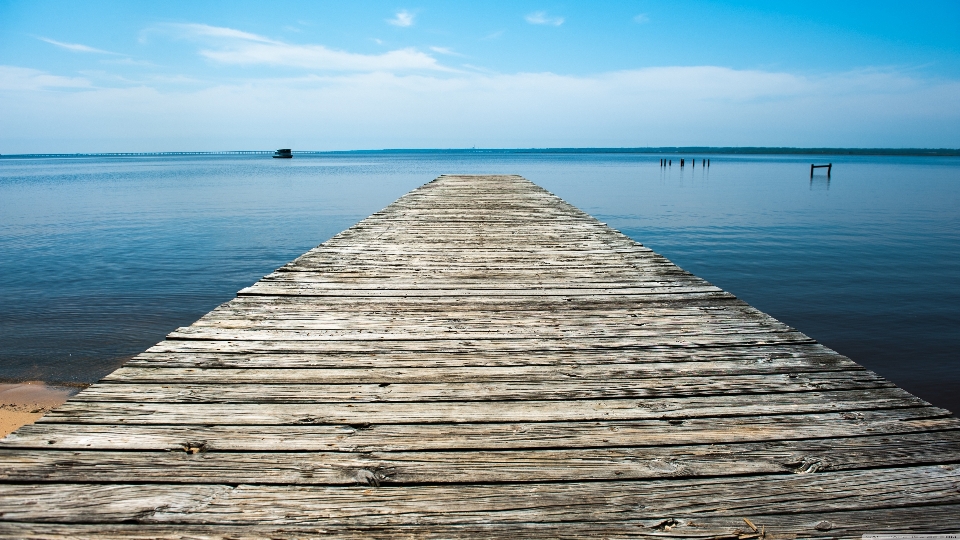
(882, 490)
(480, 360)
(800, 524)
(488, 466)
(482, 436)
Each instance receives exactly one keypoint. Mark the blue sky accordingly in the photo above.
(137, 76)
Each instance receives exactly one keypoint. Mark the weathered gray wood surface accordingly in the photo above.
(481, 359)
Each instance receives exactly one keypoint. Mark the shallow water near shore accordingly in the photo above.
(102, 257)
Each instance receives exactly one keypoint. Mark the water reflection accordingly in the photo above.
(819, 183)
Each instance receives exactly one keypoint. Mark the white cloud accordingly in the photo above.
(641, 18)
(445, 50)
(663, 106)
(403, 18)
(127, 62)
(479, 69)
(175, 79)
(26, 79)
(493, 35)
(541, 17)
(75, 47)
(230, 46)
(322, 58)
(205, 30)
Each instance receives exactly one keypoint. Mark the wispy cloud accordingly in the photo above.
(127, 62)
(403, 18)
(75, 47)
(320, 57)
(18, 78)
(479, 69)
(445, 50)
(231, 46)
(493, 35)
(541, 17)
(205, 30)
(641, 18)
(175, 79)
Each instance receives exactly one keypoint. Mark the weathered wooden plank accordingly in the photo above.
(174, 357)
(197, 464)
(337, 322)
(624, 334)
(379, 316)
(571, 388)
(463, 345)
(883, 490)
(482, 278)
(410, 437)
(266, 288)
(446, 285)
(797, 524)
(573, 305)
(478, 436)
(460, 261)
(388, 412)
(412, 263)
(456, 374)
(233, 316)
(370, 267)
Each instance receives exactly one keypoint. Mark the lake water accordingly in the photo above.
(102, 257)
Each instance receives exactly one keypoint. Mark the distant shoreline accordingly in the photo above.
(715, 150)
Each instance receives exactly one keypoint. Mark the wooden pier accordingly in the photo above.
(482, 359)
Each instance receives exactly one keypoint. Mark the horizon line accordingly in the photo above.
(746, 150)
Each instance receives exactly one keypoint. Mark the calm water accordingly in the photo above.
(102, 257)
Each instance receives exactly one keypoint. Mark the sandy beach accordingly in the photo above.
(24, 403)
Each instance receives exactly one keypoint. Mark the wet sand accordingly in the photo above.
(24, 403)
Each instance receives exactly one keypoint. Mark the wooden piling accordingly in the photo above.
(828, 166)
(481, 359)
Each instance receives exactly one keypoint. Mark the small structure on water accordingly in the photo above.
(283, 153)
(828, 166)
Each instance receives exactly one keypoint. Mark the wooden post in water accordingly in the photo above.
(828, 166)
